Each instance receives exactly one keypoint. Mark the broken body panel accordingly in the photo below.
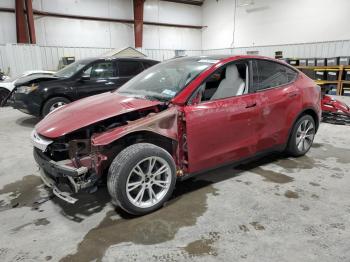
(335, 111)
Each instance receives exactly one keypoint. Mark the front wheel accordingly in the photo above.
(302, 136)
(141, 178)
(52, 104)
(3, 95)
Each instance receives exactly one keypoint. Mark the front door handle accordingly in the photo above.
(292, 94)
(251, 105)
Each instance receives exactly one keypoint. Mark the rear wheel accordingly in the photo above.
(141, 178)
(53, 103)
(302, 136)
(3, 94)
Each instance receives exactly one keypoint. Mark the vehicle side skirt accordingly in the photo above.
(279, 148)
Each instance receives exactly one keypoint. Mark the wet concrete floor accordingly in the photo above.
(272, 209)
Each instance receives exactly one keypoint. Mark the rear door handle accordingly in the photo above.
(251, 105)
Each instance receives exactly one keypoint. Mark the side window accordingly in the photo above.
(147, 64)
(227, 81)
(129, 68)
(100, 70)
(272, 74)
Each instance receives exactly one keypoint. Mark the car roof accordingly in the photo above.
(128, 58)
(225, 57)
(92, 59)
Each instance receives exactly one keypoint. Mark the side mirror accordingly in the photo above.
(85, 77)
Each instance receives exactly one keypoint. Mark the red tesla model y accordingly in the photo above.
(175, 120)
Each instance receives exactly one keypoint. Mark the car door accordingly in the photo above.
(280, 102)
(127, 69)
(221, 128)
(98, 77)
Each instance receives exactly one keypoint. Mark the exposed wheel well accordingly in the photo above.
(144, 137)
(308, 111)
(6, 92)
(312, 113)
(4, 89)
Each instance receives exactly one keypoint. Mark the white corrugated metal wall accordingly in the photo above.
(21, 57)
(303, 50)
(17, 58)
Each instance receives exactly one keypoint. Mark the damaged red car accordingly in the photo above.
(175, 120)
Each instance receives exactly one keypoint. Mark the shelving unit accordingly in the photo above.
(340, 82)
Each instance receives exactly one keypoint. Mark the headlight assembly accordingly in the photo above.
(27, 89)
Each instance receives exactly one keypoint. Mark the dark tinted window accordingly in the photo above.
(100, 70)
(272, 74)
(129, 68)
(147, 64)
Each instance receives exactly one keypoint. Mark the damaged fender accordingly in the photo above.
(163, 123)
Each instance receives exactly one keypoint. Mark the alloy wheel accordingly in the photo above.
(148, 182)
(305, 135)
(56, 105)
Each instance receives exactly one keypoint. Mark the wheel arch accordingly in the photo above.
(144, 136)
(310, 111)
(307, 111)
(5, 89)
(50, 97)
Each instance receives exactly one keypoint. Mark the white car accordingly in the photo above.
(8, 85)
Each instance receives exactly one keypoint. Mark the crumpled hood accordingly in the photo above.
(25, 80)
(88, 111)
(7, 85)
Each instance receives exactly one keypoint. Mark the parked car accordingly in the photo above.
(39, 95)
(173, 121)
(8, 84)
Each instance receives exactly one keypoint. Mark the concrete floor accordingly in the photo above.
(274, 209)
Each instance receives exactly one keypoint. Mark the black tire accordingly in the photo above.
(120, 171)
(51, 102)
(3, 94)
(293, 147)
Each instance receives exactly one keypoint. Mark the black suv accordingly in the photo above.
(40, 94)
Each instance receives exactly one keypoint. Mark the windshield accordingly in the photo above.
(163, 81)
(71, 69)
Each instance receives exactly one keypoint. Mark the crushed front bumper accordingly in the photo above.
(57, 169)
(26, 103)
(51, 171)
(61, 194)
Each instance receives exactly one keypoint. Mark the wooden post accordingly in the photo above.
(340, 78)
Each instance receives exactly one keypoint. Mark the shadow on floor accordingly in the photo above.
(27, 121)
(90, 204)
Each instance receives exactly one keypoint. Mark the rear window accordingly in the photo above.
(129, 68)
(272, 74)
(147, 64)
